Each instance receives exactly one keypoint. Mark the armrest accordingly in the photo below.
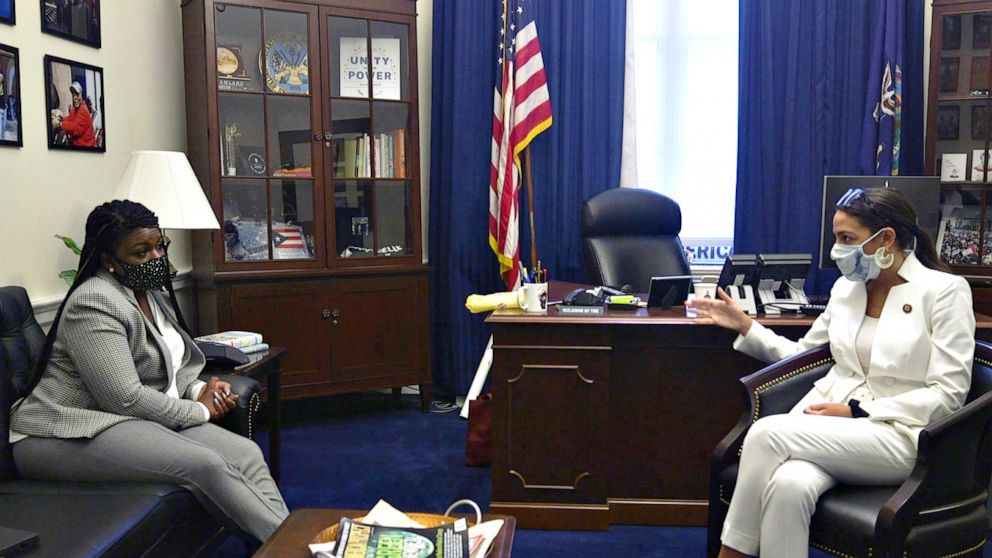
(950, 474)
(774, 389)
(241, 419)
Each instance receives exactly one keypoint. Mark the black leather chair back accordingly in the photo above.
(21, 342)
(630, 235)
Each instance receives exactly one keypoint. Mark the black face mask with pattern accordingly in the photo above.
(152, 275)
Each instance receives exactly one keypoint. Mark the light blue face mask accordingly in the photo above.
(854, 263)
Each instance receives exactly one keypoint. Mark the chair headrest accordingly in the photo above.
(21, 337)
(630, 212)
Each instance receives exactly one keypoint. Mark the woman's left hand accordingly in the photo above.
(829, 410)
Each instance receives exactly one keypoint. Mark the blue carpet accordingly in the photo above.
(348, 451)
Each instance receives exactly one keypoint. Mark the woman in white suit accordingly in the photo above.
(902, 333)
(116, 395)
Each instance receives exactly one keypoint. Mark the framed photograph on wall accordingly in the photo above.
(979, 122)
(950, 32)
(10, 97)
(950, 69)
(948, 122)
(75, 111)
(7, 14)
(76, 20)
(979, 75)
(981, 35)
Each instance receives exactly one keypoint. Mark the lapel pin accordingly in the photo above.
(907, 308)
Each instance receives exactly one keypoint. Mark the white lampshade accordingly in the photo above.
(164, 182)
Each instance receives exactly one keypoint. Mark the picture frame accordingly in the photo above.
(979, 75)
(75, 111)
(950, 32)
(11, 134)
(981, 34)
(979, 122)
(8, 14)
(948, 122)
(75, 20)
(950, 69)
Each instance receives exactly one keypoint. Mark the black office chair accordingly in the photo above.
(630, 235)
(940, 511)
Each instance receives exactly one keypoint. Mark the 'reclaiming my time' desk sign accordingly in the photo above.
(385, 67)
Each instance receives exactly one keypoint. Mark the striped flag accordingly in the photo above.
(521, 111)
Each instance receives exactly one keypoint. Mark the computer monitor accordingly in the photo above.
(923, 192)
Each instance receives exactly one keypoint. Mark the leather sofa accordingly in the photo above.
(97, 519)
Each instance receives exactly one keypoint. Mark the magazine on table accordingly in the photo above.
(360, 540)
(237, 339)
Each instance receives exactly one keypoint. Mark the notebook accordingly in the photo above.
(13, 541)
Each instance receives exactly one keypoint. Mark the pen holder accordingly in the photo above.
(484, 303)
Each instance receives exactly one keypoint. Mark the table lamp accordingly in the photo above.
(164, 182)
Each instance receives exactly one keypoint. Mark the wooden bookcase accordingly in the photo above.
(308, 151)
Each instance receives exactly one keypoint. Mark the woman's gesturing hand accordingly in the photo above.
(722, 311)
(217, 396)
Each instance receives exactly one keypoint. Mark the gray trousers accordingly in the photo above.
(226, 472)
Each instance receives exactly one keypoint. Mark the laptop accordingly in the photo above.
(669, 291)
(13, 540)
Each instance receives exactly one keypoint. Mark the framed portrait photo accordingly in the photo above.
(981, 34)
(10, 97)
(950, 32)
(979, 122)
(7, 14)
(75, 114)
(948, 122)
(950, 69)
(76, 20)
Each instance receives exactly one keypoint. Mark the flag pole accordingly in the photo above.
(530, 210)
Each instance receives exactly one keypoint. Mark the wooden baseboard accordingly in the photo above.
(587, 517)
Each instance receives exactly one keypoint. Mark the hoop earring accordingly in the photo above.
(110, 269)
(884, 258)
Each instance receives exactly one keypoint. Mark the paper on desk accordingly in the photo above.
(481, 537)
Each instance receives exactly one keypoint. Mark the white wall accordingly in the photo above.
(45, 192)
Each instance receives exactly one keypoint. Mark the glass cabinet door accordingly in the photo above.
(266, 141)
(370, 124)
(962, 137)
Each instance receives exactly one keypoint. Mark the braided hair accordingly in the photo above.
(877, 208)
(106, 227)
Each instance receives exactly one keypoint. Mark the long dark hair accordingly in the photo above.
(877, 208)
(106, 227)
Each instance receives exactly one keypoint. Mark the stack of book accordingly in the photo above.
(247, 341)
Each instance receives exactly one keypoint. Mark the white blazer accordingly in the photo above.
(920, 367)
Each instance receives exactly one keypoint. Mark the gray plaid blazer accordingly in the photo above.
(109, 365)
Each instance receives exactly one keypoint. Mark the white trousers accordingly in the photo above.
(789, 460)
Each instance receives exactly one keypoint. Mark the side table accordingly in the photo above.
(267, 366)
(292, 537)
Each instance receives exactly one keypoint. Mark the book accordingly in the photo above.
(358, 540)
(257, 348)
(953, 167)
(237, 339)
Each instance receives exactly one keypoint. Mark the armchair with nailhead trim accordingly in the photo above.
(940, 511)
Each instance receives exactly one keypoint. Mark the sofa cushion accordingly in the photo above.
(107, 519)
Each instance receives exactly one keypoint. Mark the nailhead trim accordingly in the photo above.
(836, 552)
(960, 552)
(766, 386)
(253, 406)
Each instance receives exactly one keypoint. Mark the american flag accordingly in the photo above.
(521, 111)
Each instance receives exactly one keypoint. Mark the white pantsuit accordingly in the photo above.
(919, 371)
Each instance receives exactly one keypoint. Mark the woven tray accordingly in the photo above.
(428, 520)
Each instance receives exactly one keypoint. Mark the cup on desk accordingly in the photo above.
(705, 290)
(535, 297)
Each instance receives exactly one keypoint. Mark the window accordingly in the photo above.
(686, 112)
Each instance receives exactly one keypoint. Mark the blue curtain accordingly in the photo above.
(583, 47)
(805, 69)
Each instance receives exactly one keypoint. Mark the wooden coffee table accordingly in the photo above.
(292, 537)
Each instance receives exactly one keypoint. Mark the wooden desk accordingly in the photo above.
(612, 419)
(267, 367)
(292, 537)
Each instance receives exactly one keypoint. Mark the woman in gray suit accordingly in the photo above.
(116, 393)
